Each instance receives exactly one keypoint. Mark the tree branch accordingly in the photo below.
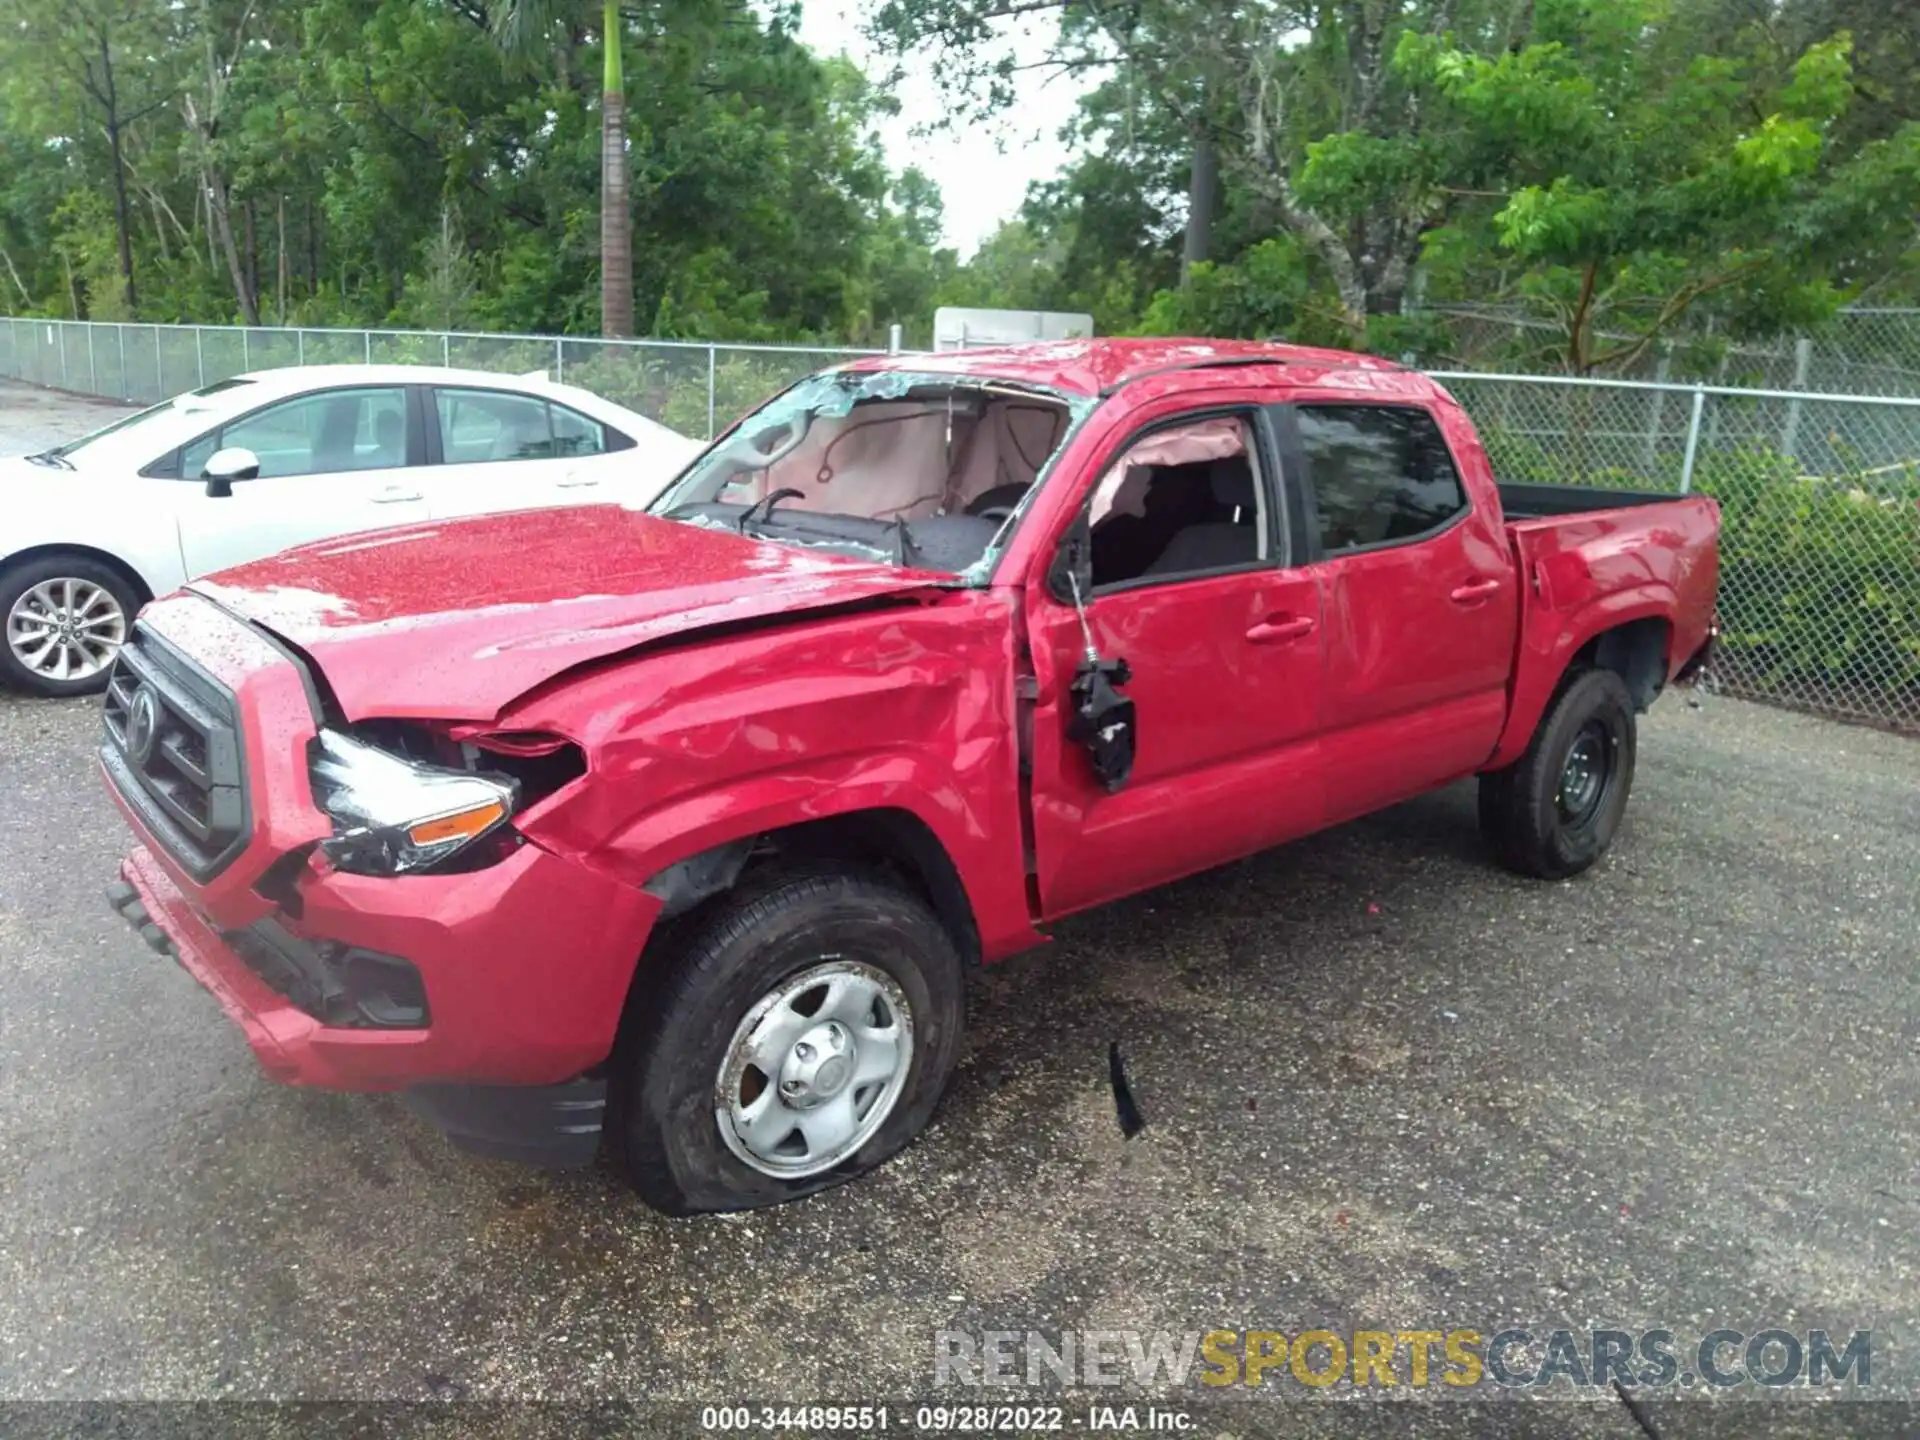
(1266, 168)
(1673, 308)
(1577, 322)
(18, 284)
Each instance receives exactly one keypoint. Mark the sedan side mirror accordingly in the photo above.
(223, 467)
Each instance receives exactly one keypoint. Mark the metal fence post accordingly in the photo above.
(1693, 440)
(126, 389)
(93, 366)
(893, 339)
(1656, 410)
(446, 351)
(713, 375)
(246, 351)
(367, 337)
(64, 385)
(1713, 420)
(159, 368)
(1802, 359)
(559, 360)
(299, 347)
(200, 354)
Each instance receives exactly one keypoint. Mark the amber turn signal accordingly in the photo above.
(466, 825)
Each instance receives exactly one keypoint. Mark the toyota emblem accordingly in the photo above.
(143, 725)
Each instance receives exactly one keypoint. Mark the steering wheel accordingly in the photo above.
(998, 503)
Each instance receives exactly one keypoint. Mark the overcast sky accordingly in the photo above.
(983, 171)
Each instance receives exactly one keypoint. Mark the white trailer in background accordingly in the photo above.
(956, 328)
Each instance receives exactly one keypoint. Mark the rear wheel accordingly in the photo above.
(800, 1036)
(66, 618)
(1553, 812)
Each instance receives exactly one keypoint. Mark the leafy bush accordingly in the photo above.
(1820, 583)
(1819, 575)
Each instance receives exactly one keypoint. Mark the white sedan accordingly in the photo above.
(92, 529)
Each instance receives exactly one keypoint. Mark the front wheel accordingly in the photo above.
(800, 1037)
(67, 617)
(1555, 810)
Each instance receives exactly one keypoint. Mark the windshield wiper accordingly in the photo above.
(51, 458)
(905, 552)
(785, 493)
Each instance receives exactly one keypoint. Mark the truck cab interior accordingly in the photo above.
(928, 478)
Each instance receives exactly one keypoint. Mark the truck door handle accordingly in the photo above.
(1474, 590)
(1280, 628)
(394, 497)
(576, 482)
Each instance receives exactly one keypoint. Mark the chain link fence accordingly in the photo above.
(1820, 507)
(1861, 351)
(694, 387)
(1820, 493)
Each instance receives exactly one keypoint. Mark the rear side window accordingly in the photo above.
(1381, 474)
(575, 434)
(480, 425)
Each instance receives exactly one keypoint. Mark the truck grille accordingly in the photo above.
(172, 750)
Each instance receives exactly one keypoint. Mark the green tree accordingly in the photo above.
(83, 61)
(303, 157)
(1629, 178)
(527, 26)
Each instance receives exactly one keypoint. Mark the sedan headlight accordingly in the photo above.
(392, 814)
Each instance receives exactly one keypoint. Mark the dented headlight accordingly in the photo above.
(393, 814)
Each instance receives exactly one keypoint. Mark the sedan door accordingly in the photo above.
(494, 449)
(331, 463)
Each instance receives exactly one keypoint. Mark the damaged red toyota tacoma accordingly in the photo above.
(673, 833)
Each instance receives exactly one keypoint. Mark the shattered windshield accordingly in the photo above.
(911, 469)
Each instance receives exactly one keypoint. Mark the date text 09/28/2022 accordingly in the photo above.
(943, 1419)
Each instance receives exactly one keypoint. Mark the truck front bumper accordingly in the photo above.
(522, 972)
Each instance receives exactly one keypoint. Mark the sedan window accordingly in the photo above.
(478, 425)
(575, 434)
(320, 434)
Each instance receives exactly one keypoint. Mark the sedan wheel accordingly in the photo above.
(66, 629)
(66, 617)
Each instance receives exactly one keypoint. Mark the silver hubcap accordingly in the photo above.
(66, 629)
(814, 1069)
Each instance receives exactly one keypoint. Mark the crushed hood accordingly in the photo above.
(457, 620)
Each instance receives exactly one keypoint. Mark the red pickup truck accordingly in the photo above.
(675, 831)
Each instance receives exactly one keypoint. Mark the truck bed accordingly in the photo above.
(1538, 502)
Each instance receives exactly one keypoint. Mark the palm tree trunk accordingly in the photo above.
(616, 219)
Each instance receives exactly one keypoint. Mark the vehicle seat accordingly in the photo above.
(1127, 546)
(521, 438)
(389, 439)
(1354, 512)
(1230, 537)
(334, 449)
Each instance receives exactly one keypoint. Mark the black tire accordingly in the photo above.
(1530, 813)
(662, 1130)
(16, 580)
